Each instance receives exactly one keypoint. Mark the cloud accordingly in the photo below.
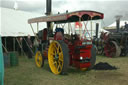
(110, 8)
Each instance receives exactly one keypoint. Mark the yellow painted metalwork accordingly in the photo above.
(83, 69)
(38, 59)
(55, 57)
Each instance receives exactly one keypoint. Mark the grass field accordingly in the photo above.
(28, 74)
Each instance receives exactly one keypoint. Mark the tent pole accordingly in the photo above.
(20, 46)
(28, 46)
(5, 48)
(14, 44)
(22, 49)
(5, 42)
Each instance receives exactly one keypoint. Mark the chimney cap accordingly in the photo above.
(118, 17)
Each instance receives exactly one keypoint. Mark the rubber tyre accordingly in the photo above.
(108, 49)
(65, 52)
(93, 57)
(118, 50)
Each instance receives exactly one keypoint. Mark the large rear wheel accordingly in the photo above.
(58, 57)
(112, 49)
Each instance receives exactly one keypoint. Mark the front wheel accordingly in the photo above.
(58, 57)
(39, 59)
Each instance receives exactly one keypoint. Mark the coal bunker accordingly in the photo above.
(104, 66)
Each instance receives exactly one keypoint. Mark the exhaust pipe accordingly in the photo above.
(48, 7)
(48, 12)
(97, 28)
(118, 25)
(118, 22)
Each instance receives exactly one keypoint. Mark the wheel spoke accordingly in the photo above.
(54, 45)
(52, 53)
(55, 63)
(60, 65)
(58, 49)
(60, 56)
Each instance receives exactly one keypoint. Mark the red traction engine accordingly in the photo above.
(65, 49)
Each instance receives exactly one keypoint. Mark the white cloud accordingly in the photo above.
(109, 7)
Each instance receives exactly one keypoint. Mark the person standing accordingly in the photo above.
(20, 48)
(29, 52)
(126, 26)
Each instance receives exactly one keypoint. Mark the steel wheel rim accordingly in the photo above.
(109, 50)
(38, 59)
(55, 57)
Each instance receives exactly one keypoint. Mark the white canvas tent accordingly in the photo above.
(14, 23)
(122, 23)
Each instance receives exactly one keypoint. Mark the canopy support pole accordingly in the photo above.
(80, 28)
(71, 28)
(37, 27)
(86, 29)
(68, 29)
(32, 29)
(91, 27)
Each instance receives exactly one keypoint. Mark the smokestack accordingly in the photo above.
(48, 12)
(97, 28)
(118, 22)
(118, 25)
(48, 7)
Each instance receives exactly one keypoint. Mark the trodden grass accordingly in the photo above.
(28, 74)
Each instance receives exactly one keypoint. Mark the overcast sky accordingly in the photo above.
(110, 8)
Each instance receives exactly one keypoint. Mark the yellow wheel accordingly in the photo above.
(39, 60)
(58, 57)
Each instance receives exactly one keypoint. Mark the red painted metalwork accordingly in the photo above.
(70, 17)
(79, 48)
(45, 32)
